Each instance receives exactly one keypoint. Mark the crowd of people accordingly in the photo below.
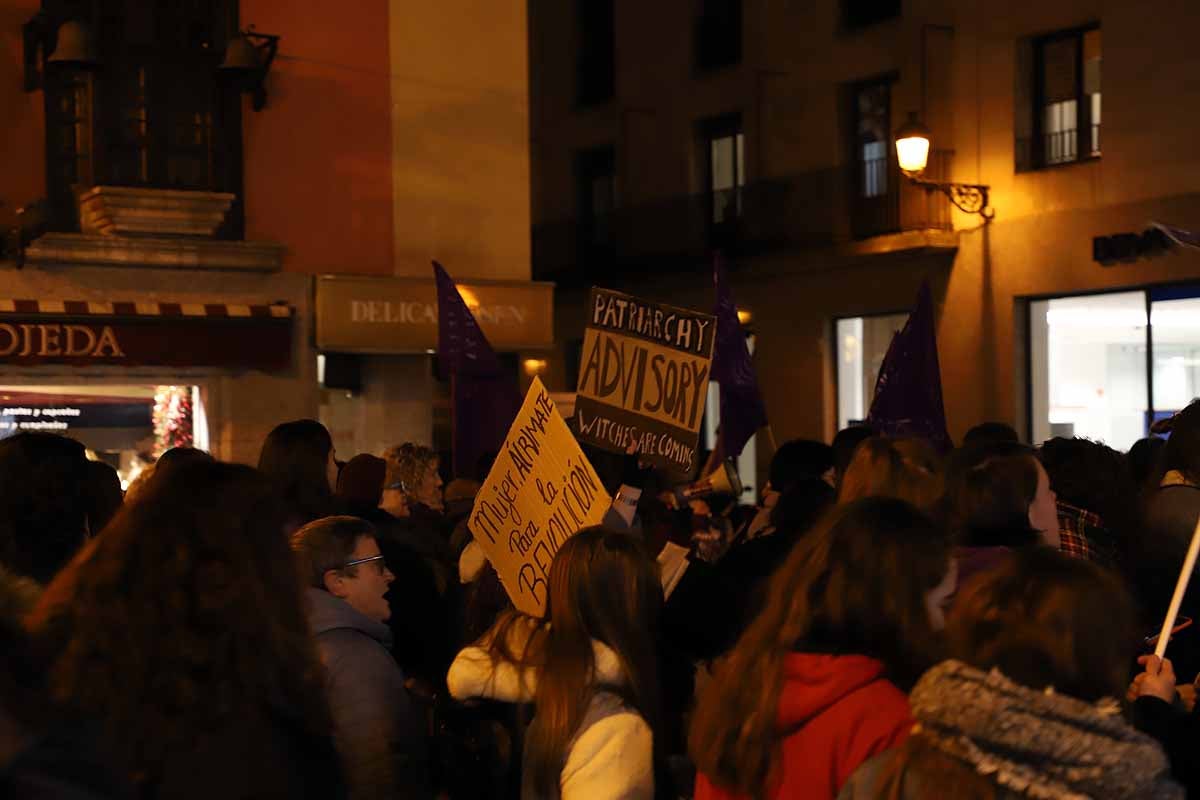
(888, 621)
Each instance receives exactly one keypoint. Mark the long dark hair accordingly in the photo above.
(295, 457)
(185, 615)
(1047, 619)
(855, 585)
(603, 586)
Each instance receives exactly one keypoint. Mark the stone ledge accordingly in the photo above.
(76, 249)
(131, 211)
(929, 239)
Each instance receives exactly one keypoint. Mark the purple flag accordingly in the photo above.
(908, 394)
(486, 400)
(742, 409)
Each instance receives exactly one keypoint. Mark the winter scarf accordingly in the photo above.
(1038, 743)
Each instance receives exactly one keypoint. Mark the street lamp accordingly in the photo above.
(912, 152)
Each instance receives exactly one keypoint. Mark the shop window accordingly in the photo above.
(1089, 371)
(718, 34)
(861, 13)
(156, 115)
(1058, 99)
(596, 64)
(724, 146)
(596, 186)
(860, 346)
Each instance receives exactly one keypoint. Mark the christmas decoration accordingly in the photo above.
(172, 418)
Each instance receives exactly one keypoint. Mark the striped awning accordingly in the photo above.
(88, 308)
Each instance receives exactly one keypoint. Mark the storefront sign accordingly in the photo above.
(644, 378)
(16, 416)
(541, 491)
(399, 315)
(144, 334)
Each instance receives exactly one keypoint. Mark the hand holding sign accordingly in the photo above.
(540, 492)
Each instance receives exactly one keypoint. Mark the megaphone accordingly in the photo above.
(722, 480)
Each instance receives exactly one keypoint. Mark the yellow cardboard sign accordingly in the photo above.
(541, 491)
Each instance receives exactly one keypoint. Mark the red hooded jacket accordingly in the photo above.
(835, 712)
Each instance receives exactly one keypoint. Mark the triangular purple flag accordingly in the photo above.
(908, 393)
(486, 399)
(742, 409)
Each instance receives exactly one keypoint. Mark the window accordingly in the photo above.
(873, 135)
(156, 114)
(861, 344)
(718, 34)
(724, 146)
(596, 181)
(596, 66)
(1058, 121)
(861, 13)
(1089, 371)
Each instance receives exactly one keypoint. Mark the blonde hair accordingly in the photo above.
(908, 469)
(406, 466)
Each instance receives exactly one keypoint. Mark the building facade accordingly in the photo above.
(765, 130)
(197, 199)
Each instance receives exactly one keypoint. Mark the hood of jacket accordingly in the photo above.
(1038, 743)
(474, 674)
(328, 613)
(814, 682)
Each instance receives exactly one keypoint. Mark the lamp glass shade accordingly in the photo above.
(240, 56)
(74, 46)
(913, 153)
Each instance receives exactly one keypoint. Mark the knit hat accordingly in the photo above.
(360, 482)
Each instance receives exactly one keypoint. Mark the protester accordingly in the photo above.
(907, 469)
(177, 650)
(413, 485)
(298, 457)
(817, 684)
(378, 729)
(176, 457)
(990, 433)
(998, 499)
(1027, 710)
(1096, 497)
(1154, 558)
(845, 444)
(794, 461)
(43, 503)
(1145, 462)
(104, 496)
(590, 669)
(360, 487)
(1156, 712)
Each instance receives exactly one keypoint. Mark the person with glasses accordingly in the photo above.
(377, 727)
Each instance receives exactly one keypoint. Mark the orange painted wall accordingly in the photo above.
(22, 134)
(318, 159)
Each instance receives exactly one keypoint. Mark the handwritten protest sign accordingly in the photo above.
(643, 378)
(541, 491)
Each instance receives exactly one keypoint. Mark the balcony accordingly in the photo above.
(812, 210)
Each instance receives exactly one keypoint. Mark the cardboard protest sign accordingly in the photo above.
(541, 491)
(643, 378)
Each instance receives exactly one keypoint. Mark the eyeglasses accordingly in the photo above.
(366, 560)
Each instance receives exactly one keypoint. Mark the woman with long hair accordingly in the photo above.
(907, 469)
(817, 683)
(299, 459)
(1042, 647)
(179, 638)
(590, 670)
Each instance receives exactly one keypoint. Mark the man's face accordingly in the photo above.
(363, 586)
